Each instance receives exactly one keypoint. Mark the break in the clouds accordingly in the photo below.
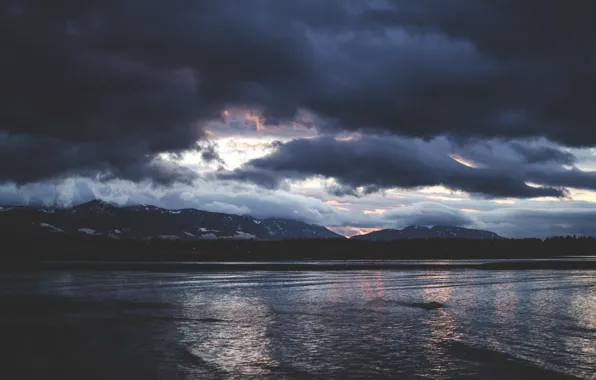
(490, 98)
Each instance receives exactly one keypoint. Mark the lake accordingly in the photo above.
(416, 323)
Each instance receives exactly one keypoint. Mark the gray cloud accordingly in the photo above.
(543, 154)
(374, 163)
(427, 214)
(105, 74)
(25, 159)
(541, 223)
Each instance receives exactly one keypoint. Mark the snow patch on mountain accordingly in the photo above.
(202, 229)
(244, 235)
(50, 227)
(209, 236)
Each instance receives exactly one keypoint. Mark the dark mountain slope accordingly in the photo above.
(419, 232)
(147, 222)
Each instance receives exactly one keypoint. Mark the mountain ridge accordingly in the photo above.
(98, 217)
(422, 232)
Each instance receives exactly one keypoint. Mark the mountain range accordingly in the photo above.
(150, 222)
(99, 218)
(421, 232)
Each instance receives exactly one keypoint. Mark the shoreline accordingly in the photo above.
(536, 264)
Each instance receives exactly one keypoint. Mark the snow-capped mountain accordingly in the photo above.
(147, 222)
(420, 232)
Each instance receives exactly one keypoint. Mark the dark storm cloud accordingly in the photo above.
(544, 74)
(374, 163)
(148, 73)
(70, 107)
(485, 152)
(543, 154)
(26, 159)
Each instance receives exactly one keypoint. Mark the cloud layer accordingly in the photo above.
(372, 163)
(117, 86)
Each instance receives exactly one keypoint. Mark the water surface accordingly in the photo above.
(299, 325)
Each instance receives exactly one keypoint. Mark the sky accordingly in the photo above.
(356, 115)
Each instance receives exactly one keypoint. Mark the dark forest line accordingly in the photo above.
(63, 247)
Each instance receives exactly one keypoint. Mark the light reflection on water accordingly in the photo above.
(277, 325)
(243, 349)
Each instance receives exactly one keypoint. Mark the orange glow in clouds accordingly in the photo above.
(338, 205)
(464, 161)
(246, 115)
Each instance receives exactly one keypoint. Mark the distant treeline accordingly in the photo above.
(83, 248)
